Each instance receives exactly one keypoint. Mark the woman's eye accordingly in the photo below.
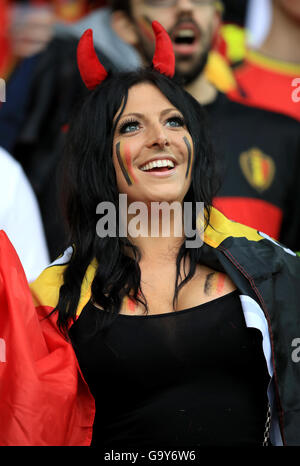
(129, 127)
(175, 122)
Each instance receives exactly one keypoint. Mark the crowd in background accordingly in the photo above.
(255, 62)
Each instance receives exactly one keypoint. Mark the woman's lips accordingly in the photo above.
(158, 172)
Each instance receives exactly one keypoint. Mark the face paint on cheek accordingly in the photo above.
(190, 156)
(127, 157)
(145, 26)
(124, 159)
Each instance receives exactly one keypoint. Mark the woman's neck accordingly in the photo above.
(160, 238)
(158, 251)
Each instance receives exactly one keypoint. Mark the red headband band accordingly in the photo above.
(93, 72)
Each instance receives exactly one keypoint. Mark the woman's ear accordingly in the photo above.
(124, 27)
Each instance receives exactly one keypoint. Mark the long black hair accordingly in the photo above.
(89, 178)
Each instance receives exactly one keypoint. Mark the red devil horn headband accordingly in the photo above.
(93, 72)
(164, 58)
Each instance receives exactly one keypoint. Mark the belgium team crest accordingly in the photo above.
(258, 168)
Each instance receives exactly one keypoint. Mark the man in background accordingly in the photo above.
(269, 76)
(259, 150)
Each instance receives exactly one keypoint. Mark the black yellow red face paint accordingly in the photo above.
(124, 159)
(190, 157)
(214, 283)
(129, 304)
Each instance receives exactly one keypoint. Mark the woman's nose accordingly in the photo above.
(157, 137)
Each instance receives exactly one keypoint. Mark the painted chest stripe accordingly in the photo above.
(255, 318)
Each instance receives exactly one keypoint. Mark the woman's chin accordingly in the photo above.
(160, 199)
(163, 194)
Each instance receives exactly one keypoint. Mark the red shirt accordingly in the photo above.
(268, 83)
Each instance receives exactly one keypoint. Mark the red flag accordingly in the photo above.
(5, 46)
(43, 397)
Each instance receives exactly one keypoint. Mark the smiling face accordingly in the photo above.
(192, 25)
(152, 148)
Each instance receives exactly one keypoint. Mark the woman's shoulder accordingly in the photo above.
(248, 250)
(221, 228)
(46, 288)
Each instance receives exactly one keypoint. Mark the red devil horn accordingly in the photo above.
(91, 70)
(164, 58)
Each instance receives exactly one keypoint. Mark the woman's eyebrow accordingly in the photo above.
(137, 115)
(169, 110)
(142, 115)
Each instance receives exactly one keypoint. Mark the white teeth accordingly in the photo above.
(158, 164)
(185, 33)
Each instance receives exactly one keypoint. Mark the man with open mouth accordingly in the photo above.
(193, 26)
(257, 149)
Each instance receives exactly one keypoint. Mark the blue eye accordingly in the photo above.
(129, 127)
(175, 122)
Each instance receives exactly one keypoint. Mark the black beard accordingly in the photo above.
(187, 77)
(184, 78)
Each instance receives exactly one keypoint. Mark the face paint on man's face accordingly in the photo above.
(124, 159)
(190, 161)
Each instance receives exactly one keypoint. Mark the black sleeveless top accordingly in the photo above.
(189, 378)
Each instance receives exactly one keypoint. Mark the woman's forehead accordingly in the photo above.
(145, 98)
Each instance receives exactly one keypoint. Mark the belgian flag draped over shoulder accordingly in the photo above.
(43, 398)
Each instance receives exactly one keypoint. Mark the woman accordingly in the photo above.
(177, 344)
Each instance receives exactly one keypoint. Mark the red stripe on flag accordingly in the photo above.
(254, 213)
